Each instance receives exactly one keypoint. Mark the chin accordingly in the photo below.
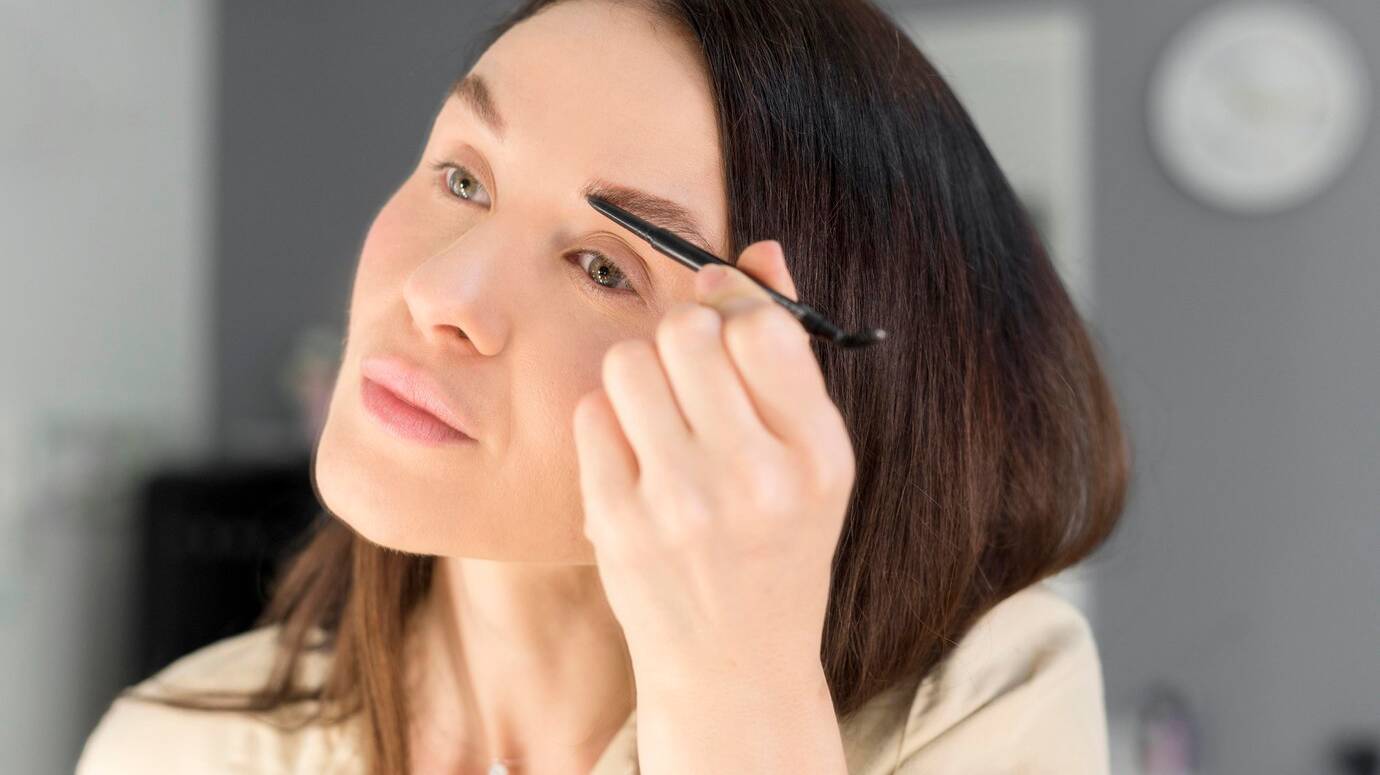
(375, 498)
(353, 486)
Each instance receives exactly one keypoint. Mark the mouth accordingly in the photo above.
(408, 402)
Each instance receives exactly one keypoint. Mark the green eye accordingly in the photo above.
(604, 270)
(460, 184)
(458, 181)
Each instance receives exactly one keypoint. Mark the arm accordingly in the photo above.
(764, 726)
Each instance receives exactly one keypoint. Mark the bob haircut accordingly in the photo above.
(989, 449)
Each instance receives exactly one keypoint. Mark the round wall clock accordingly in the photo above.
(1256, 106)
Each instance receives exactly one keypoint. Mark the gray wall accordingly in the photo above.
(1244, 351)
(1247, 356)
(1247, 352)
(322, 110)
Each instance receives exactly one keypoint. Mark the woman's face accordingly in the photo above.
(495, 275)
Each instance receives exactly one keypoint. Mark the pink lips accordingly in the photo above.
(409, 402)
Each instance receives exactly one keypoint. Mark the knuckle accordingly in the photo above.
(686, 527)
(611, 544)
(761, 323)
(835, 469)
(690, 517)
(610, 528)
(836, 476)
(686, 322)
(771, 489)
(597, 532)
(584, 412)
(624, 357)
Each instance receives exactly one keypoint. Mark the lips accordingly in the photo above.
(414, 385)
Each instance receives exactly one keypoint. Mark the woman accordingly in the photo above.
(677, 534)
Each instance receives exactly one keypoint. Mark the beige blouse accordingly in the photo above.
(1021, 693)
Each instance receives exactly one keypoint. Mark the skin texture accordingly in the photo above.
(577, 527)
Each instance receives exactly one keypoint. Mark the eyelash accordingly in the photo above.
(445, 167)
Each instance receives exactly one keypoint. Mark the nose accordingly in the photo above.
(456, 297)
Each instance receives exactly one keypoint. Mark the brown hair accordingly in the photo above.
(989, 450)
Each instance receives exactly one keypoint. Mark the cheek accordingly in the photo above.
(568, 369)
(387, 245)
(548, 384)
(404, 233)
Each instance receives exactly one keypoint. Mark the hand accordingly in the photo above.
(715, 472)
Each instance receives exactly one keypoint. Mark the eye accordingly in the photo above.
(604, 269)
(459, 182)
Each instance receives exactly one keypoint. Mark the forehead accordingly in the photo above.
(595, 90)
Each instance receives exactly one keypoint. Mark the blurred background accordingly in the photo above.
(184, 189)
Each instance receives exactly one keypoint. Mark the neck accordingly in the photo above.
(522, 661)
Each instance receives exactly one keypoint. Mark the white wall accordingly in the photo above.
(1023, 73)
(104, 160)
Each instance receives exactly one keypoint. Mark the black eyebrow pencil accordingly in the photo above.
(694, 257)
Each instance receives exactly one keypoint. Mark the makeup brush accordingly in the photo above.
(694, 257)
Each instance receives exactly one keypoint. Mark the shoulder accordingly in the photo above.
(136, 736)
(1020, 692)
(237, 662)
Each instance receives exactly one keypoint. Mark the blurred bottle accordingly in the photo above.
(309, 377)
(1167, 735)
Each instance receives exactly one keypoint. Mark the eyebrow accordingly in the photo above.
(659, 211)
(473, 91)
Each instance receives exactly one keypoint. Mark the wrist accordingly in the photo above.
(770, 681)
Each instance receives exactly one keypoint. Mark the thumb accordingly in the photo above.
(726, 287)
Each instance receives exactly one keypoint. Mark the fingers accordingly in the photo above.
(769, 348)
(764, 261)
(704, 379)
(644, 403)
(781, 374)
(728, 372)
(608, 466)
